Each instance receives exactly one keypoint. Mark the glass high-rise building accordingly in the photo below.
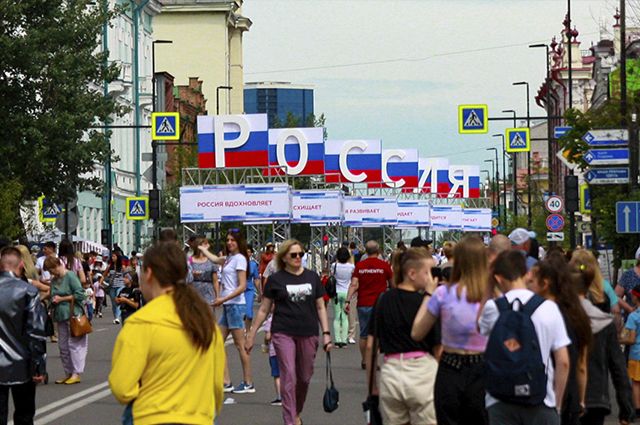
(278, 99)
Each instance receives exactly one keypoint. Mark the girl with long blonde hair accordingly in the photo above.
(456, 304)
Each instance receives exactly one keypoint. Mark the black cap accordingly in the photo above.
(418, 242)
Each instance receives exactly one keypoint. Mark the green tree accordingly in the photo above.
(51, 86)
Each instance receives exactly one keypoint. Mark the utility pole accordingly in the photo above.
(569, 34)
(515, 170)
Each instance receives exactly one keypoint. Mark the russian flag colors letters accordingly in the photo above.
(244, 141)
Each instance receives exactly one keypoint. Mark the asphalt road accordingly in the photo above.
(91, 403)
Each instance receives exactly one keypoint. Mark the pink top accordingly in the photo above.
(457, 318)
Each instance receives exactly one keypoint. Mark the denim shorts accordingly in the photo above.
(364, 314)
(275, 369)
(232, 316)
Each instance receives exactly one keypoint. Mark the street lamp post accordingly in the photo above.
(218, 96)
(154, 147)
(548, 105)
(493, 192)
(497, 184)
(153, 70)
(504, 178)
(515, 170)
(529, 217)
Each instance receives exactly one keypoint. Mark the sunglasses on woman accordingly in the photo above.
(296, 254)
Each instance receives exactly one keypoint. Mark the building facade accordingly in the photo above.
(128, 41)
(206, 38)
(278, 100)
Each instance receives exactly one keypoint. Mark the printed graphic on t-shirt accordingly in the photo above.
(299, 293)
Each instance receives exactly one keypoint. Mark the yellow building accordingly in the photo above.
(207, 43)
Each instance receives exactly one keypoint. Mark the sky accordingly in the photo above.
(396, 70)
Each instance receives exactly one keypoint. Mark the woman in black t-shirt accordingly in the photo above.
(408, 374)
(298, 307)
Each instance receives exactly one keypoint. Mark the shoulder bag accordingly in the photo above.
(79, 325)
(331, 397)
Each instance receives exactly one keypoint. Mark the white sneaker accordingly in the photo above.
(352, 341)
(116, 321)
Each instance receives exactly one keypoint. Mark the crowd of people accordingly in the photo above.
(484, 333)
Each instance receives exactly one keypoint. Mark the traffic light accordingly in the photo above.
(154, 204)
(105, 238)
(571, 197)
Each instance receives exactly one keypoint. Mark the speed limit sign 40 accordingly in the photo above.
(554, 204)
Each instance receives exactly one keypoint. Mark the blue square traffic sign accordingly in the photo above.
(518, 140)
(165, 126)
(627, 219)
(473, 119)
(137, 208)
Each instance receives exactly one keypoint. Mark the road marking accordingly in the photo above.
(100, 330)
(72, 407)
(61, 402)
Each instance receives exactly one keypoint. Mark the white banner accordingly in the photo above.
(446, 217)
(316, 206)
(476, 220)
(260, 202)
(413, 214)
(369, 211)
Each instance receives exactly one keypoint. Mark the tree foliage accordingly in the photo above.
(51, 91)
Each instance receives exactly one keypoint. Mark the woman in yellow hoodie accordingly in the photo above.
(168, 360)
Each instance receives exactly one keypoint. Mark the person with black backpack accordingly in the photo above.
(526, 359)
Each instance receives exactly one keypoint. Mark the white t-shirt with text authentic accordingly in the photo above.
(550, 328)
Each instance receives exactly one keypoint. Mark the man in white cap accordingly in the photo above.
(521, 240)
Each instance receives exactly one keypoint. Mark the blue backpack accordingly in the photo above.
(514, 369)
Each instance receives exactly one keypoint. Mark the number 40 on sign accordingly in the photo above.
(554, 204)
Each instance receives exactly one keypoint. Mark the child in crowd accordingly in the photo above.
(89, 299)
(130, 296)
(98, 292)
(273, 360)
(631, 336)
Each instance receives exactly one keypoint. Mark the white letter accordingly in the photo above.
(386, 155)
(301, 138)
(344, 152)
(218, 131)
(459, 177)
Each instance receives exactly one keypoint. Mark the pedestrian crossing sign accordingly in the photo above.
(138, 208)
(48, 210)
(165, 126)
(473, 119)
(518, 140)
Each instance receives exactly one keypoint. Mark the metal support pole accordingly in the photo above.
(66, 221)
(504, 178)
(106, 202)
(515, 172)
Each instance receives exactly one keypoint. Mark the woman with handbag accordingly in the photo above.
(299, 307)
(67, 296)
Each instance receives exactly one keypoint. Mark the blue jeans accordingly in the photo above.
(127, 415)
(232, 316)
(113, 293)
(364, 314)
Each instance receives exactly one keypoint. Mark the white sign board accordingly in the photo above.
(205, 204)
(554, 204)
(413, 214)
(476, 219)
(555, 236)
(316, 206)
(446, 217)
(369, 211)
